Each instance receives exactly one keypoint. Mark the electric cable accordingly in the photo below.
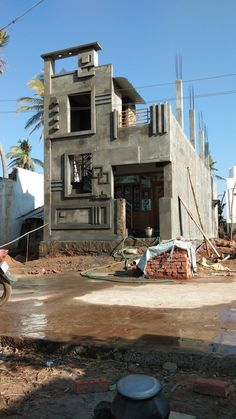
(160, 84)
(202, 95)
(20, 16)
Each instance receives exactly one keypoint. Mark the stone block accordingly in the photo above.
(212, 387)
(95, 385)
(177, 415)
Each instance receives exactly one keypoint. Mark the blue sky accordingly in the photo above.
(141, 40)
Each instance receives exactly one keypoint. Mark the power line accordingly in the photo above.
(20, 16)
(202, 95)
(226, 92)
(158, 84)
(186, 81)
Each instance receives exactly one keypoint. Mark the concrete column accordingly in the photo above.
(192, 127)
(202, 144)
(179, 102)
(115, 124)
(49, 70)
(153, 119)
(120, 217)
(165, 216)
(47, 188)
(206, 154)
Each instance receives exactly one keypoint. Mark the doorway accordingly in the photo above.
(142, 192)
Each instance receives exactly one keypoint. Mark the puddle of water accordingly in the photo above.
(225, 342)
(32, 297)
(33, 325)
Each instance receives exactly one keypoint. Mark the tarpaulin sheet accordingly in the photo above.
(169, 246)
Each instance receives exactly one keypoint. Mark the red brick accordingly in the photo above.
(95, 385)
(211, 387)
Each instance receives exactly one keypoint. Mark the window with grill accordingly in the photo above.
(81, 172)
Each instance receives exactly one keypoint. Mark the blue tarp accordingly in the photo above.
(169, 246)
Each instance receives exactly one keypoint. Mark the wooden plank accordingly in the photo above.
(200, 229)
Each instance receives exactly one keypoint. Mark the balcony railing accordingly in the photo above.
(134, 117)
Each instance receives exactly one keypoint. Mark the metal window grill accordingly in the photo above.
(134, 117)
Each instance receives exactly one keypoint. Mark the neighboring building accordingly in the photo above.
(231, 200)
(22, 192)
(112, 167)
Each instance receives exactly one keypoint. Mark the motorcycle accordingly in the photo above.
(6, 278)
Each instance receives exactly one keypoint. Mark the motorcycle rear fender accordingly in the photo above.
(8, 277)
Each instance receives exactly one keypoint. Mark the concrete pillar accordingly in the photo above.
(192, 127)
(206, 154)
(153, 119)
(115, 124)
(47, 188)
(165, 216)
(49, 70)
(120, 217)
(202, 144)
(179, 102)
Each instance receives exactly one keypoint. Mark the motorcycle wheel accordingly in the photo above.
(5, 292)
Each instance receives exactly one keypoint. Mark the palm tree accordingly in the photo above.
(34, 104)
(4, 37)
(20, 156)
(212, 164)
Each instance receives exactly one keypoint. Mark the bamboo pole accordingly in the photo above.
(199, 227)
(196, 205)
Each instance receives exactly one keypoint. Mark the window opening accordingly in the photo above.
(80, 112)
(81, 172)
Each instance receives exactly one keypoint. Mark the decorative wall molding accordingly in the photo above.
(57, 185)
(102, 177)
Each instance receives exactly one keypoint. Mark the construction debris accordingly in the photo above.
(175, 259)
(225, 248)
(215, 266)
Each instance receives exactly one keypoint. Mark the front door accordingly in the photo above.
(142, 196)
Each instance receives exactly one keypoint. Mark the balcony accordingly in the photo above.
(133, 117)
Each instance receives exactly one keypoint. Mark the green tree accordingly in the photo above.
(20, 156)
(212, 164)
(34, 104)
(4, 37)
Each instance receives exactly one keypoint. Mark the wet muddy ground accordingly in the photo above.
(61, 305)
(52, 301)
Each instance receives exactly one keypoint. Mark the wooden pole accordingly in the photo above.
(199, 227)
(196, 205)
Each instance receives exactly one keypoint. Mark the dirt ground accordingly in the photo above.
(40, 386)
(34, 386)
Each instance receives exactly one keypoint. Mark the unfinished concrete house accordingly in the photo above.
(114, 166)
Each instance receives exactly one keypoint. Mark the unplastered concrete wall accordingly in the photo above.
(184, 156)
(64, 143)
(17, 198)
(7, 188)
(231, 199)
(132, 145)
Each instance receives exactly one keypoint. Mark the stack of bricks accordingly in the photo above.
(167, 266)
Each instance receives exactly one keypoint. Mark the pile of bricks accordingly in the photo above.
(166, 266)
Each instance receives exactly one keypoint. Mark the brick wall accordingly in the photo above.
(164, 266)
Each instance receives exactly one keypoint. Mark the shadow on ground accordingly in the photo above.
(33, 390)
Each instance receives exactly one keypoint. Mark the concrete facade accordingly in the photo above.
(22, 192)
(102, 146)
(231, 200)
